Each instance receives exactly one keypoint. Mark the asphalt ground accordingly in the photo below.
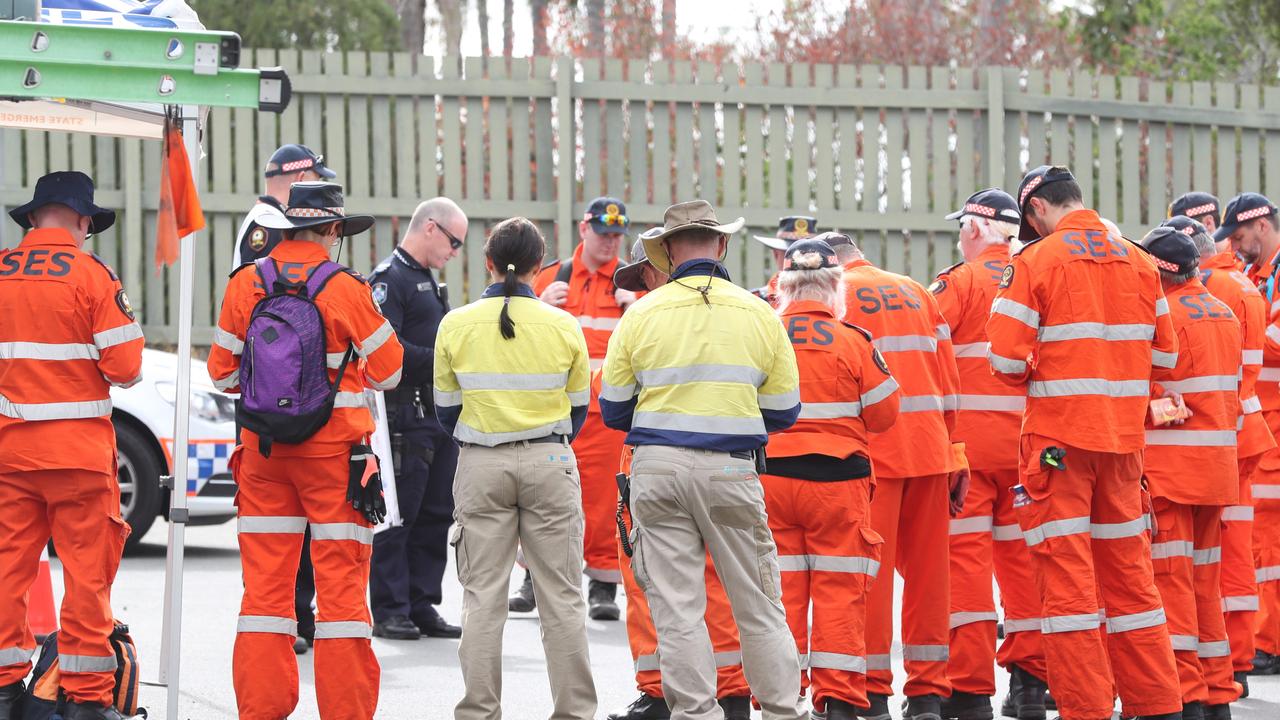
(420, 679)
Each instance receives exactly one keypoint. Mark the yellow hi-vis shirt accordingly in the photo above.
(715, 373)
(490, 390)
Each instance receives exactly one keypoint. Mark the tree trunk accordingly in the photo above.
(482, 14)
(413, 25)
(595, 28)
(508, 27)
(668, 29)
(451, 20)
(538, 9)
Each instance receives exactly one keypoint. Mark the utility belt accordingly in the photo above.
(556, 439)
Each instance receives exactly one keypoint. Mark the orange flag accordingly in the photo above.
(180, 212)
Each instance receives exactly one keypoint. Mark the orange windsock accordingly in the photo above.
(180, 213)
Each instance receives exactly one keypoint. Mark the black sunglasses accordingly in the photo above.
(454, 242)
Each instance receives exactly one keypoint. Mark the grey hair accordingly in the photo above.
(823, 285)
(1205, 244)
(1180, 278)
(847, 253)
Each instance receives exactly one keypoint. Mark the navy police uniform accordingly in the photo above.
(409, 561)
(255, 241)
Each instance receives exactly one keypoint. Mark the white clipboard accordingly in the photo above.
(381, 442)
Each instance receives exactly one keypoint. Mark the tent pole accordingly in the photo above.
(171, 655)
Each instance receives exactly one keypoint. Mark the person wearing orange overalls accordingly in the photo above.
(583, 287)
(984, 535)
(1081, 322)
(1187, 547)
(817, 489)
(790, 229)
(1239, 587)
(1251, 224)
(732, 693)
(921, 481)
(284, 488)
(68, 336)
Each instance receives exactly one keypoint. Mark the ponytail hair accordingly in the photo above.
(516, 247)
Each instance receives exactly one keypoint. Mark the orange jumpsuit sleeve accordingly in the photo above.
(371, 333)
(948, 372)
(116, 334)
(951, 292)
(1164, 348)
(1013, 324)
(877, 388)
(228, 335)
(1253, 330)
(1271, 347)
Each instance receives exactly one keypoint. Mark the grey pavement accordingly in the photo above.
(420, 680)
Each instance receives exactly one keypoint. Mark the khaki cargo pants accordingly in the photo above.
(681, 500)
(526, 492)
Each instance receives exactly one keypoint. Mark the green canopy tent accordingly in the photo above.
(128, 79)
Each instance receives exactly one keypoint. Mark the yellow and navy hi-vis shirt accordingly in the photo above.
(490, 390)
(711, 370)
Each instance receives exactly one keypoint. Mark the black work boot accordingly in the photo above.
(432, 625)
(1026, 698)
(11, 701)
(1166, 716)
(645, 707)
(967, 706)
(1265, 664)
(922, 707)
(600, 600)
(397, 627)
(836, 710)
(1242, 677)
(879, 709)
(90, 711)
(1049, 702)
(522, 600)
(1217, 712)
(736, 707)
(1193, 711)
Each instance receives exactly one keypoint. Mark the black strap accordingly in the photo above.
(565, 271)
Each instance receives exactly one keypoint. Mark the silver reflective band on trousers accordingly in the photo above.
(527, 492)
(681, 499)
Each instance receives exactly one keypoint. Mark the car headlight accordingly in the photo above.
(210, 405)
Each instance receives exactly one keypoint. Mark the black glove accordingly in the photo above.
(364, 484)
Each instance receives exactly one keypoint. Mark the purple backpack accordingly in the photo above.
(285, 393)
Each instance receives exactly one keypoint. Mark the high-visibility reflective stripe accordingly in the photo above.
(86, 663)
(47, 351)
(1006, 533)
(942, 332)
(1056, 528)
(1203, 383)
(1251, 357)
(267, 624)
(55, 411)
(838, 661)
(390, 383)
(645, 663)
(1021, 625)
(921, 403)
(886, 388)
(993, 403)
(467, 434)
(1251, 405)
(342, 531)
(1240, 603)
(370, 345)
(227, 341)
(1007, 365)
(15, 655)
(1068, 623)
(271, 524)
(741, 374)
(617, 393)
(1118, 531)
(1136, 621)
(830, 410)
(1017, 311)
(879, 662)
(1273, 333)
(1237, 513)
(1172, 549)
(793, 563)
(699, 423)
(829, 563)
(597, 323)
(1096, 331)
(1088, 386)
(964, 526)
(117, 335)
(1267, 574)
(778, 401)
(512, 381)
(334, 360)
(1163, 359)
(350, 400)
(229, 381)
(579, 398)
(1192, 438)
(1207, 556)
(446, 399)
(906, 343)
(966, 618)
(343, 629)
(971, 350)
(1162, 307)
(595, 363)
(1269, 374)
(925, 653)
(1214, 649)
(1266, 492)
(1184, 643)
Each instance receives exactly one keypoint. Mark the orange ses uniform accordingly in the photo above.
(985, 534)
(1266, 477)
(913, 460)
(301, 484)
(817, 495)
(598, 448)
(1192, 474)
(1239, 589)
(68, 334)
(1080, 320)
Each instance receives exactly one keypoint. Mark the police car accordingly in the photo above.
(143, 419)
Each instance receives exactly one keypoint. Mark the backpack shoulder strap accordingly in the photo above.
(565, 271)
(268, 273)
(321, 276)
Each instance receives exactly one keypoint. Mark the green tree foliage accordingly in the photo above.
(305, 24)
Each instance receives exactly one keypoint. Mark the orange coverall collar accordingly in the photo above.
(299, 251)
(48, 236)
(810, 307)
(1082, 219)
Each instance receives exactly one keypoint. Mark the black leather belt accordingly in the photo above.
(743, 455)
